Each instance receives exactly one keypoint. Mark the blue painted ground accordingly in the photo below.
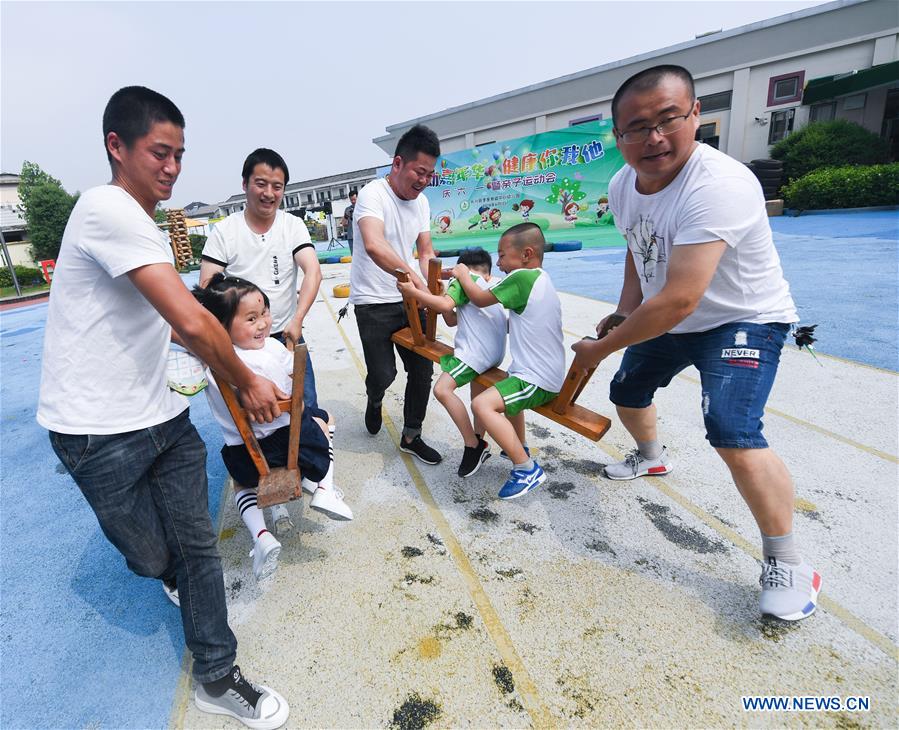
(87, 644)
(843, 270)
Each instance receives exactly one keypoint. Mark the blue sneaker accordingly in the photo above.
(506, 456)
(521, 482)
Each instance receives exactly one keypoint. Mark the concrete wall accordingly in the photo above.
(836, 38)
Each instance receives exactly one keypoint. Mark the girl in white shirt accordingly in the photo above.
(243, 310)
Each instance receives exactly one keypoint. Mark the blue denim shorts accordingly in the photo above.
(737, 363)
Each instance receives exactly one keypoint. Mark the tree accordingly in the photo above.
(829, 144)
(31, 176)
(47, 213)
(197, 241)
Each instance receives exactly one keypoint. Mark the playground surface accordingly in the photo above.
(588, 603)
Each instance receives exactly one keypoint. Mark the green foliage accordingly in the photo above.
(829, 144)
(159, 215)
(47, 213)
(844, 187)
(30, 177)
(197, 241)
(26, 275)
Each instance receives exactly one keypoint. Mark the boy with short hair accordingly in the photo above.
(480, 345)
(535, 340)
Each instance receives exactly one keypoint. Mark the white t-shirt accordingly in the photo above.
(481, 335)
(403, 221)
(105, 347)
(274, 362)
(266, 259)
(713, 198)
(535, 327)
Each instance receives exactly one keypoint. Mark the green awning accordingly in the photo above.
(830, 87)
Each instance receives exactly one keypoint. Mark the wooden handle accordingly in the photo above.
(434, 266)
(411, 308)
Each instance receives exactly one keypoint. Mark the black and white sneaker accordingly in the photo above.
(473, 457)
(421, 450)
(170, 588)
(372, 417)
(257, 707)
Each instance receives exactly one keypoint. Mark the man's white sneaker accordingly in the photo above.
(789, 592)
(636, 465)
(281, 520)
(330, 503)
(265, 555)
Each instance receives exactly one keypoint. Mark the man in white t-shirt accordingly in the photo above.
(270, 248)
(703, 286)
(392, 219)
(122, 434)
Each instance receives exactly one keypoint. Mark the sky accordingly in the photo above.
(314, 81)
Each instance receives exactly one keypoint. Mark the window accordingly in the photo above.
(822, 112)
(854, 102)
(715, 102)
(781, 125)
(584, 120)
(785, 88)
(708, 134)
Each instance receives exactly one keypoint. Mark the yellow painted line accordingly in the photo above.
(530, 698)
(853, 622)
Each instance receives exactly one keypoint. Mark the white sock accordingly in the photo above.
(251, 515)
(328, 481)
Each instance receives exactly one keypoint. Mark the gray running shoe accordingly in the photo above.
(636, 465)
(789, 592)
(256, 706)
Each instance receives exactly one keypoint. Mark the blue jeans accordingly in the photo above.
(737, 363)
(310, 397)
(148, 490)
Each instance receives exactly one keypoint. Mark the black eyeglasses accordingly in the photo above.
(666, 126)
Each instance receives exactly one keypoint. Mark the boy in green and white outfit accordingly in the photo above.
(535, 339)
(480, 345)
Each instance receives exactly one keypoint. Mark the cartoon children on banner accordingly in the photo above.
(602, 207)
(483, 220)
(570, 210)
(524, 208)
(495, 214)
(444, 222)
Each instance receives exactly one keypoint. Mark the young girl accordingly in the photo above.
(243, 310)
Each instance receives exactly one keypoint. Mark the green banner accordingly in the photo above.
(558, 180)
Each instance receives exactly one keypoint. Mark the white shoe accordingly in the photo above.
(636, 465)
(789, 592)
(330, 502)
(265, 555)
(171, 592)
(309, 486)
(281, 520)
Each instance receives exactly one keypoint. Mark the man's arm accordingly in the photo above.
(690, 269)
(438, 302)
(479, 297)
(208, 270)
(425, 247)
(378, 249)
(307, 261)
(203, 335)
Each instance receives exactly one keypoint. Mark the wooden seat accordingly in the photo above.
(281, 484)
(562, 409)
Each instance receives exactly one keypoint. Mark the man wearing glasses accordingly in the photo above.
(703, 286)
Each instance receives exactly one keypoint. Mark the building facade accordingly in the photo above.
(757, 83)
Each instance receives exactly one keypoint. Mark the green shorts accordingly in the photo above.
(457, 370)
(518, 395)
